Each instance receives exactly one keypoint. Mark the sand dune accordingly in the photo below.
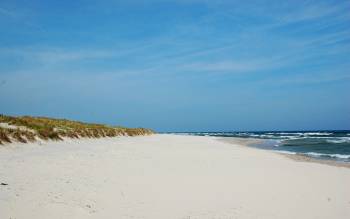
(165, 176)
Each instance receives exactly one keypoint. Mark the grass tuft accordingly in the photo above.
(55, 129)
(4, 138)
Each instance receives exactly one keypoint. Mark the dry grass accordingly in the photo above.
(4, 137)
(9, 135)
(55, 129)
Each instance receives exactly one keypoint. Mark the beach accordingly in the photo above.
(165, 176)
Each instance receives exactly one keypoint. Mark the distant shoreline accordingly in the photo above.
(296, 157)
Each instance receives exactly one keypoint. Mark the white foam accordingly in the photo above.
(286, 133)
(318, 133)
(287, 152)
(291, 137)
(339, 140)
(341, 156)
(314, 154)
(336, 141)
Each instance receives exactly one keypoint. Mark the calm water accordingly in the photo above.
(334, 145)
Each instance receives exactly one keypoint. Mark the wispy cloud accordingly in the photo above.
(322, 77)
(6, 12)
(179, 51)
(235, 66)
(312, 11)
(55, 55)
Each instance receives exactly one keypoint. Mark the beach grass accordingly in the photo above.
(28, 129)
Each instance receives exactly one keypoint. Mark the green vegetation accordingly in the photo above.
(28, 129)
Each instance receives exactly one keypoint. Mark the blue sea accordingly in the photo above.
(330, 145)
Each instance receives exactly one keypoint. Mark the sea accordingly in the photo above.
(328, 145)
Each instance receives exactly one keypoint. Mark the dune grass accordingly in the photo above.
(29, 128)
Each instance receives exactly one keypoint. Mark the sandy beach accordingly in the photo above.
(165, 176)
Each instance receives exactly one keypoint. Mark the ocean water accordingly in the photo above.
(330, 145)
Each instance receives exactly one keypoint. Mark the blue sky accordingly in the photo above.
(176, 65)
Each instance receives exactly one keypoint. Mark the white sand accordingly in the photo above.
(165, 176)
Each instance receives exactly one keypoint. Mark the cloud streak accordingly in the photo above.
(7, 13)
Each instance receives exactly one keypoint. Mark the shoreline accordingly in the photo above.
(247, 142)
